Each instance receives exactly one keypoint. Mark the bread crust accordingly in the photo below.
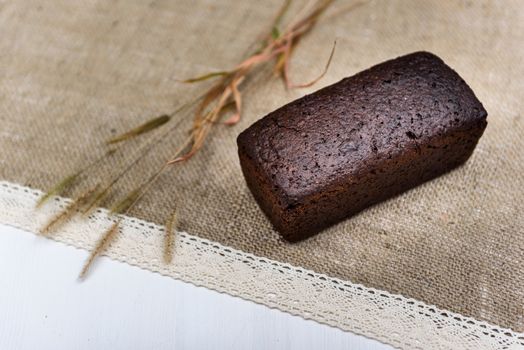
(329, 155)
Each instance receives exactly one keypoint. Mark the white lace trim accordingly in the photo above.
(392, 319)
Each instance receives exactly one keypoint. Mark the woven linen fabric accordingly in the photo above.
(75, 73)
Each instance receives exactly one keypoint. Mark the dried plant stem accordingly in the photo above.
(141, 129)
(96, 199)
(211, 106)
(281, 12)
(130, 201)
(142, 189)
(101, 245)
(142, 152)
(68, 211)
(126, 205)
(110, 234)
(67, 182)
(137, 194)
(58, 188)
(222, 94)
(276, 45)
(314, 81)
(170, 236)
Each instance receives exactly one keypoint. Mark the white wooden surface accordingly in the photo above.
(43, 306)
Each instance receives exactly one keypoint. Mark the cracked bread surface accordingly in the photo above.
(328, 155)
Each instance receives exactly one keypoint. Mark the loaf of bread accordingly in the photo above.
(331, 154)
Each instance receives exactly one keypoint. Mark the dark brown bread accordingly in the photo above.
(328, 155)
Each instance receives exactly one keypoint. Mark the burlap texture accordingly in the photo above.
(72, 74)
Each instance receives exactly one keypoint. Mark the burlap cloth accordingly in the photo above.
(72, 74)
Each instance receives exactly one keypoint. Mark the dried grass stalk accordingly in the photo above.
(95, 200)
(277, 44)
(106, 238)
(170, 237)
(126, 203)
(58, 188)
(68, 211)
(141, 129)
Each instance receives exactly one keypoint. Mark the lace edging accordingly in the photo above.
(392, 319)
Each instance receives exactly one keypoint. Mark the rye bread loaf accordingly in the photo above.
(331, 154)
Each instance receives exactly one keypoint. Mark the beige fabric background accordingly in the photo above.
(73, 74)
